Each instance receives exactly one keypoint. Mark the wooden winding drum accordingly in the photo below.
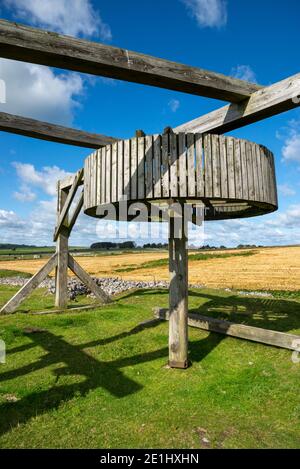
(233, 178)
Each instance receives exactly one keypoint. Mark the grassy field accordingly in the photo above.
(97, 379)
(265, 269)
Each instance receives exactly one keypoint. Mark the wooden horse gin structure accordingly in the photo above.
(193, 163)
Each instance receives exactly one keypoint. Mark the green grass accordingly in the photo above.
(96, 379)
(4, 273)
(192, 257)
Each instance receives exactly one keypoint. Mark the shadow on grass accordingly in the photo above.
(270, 313)
(78, 361)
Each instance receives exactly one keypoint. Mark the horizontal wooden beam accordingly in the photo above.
(34, 45)
(51, 132)
(275, 99)
(240, 331)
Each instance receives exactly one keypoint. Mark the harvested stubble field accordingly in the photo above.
(265, 269)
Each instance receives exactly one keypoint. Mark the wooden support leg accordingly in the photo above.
(62, 250)
(178, 298)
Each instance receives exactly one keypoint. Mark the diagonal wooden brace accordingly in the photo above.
(87, 280)
(29, 286)
(67, 204)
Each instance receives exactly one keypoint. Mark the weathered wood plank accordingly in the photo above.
(19, 42)
(223, 166)
(51, 132)
(165, 165)
(238, 170)
(108, 174)
(208, 175)
(157, 180)
(127, 169)
(240, 331)
(87, 280)
(244, 169)
(191, 163)
(141, 167)
(76, 212)
(216, 169)
(67, 204)
(103, 174)
(149, 151)
(230, 168)
(173, 165)
(29, 286)
(199, 165)
(251, 187)
(62, 245)
(267, 102)
(182, 165)
(133, 168)
(178, 297)
(120, 170)
(114, 169)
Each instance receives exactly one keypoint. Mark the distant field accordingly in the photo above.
(266, 269)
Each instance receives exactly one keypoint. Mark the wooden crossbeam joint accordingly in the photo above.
(66, 207)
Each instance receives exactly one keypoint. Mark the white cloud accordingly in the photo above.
(36, 91)
(45, 179)
(244, 72)
(174, 104)
(286, 190)
(72, 17)
(291, 137)
(208, 13)
(25, 194)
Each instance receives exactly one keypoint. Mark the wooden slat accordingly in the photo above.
(240, 331)
(114, 170)
(103, 175)
(127, 169)
(98, 176)
(208, 166)
(51, 132)
(274, 186)
(108, 175)
(149, 150)
(19, 42)
(216, 166)
(230, 168)
(262, 104)
(157, 180)
(255, 170)
(173, 165)
(182, 165)
(251, 187)
(141, 167)
(133, 168)
(244, 169)
(87, 280)
(120, 170)
(165, 165)
(238, 170)
(29, 286)
(223, 166)
(199, 165)
(191, 163)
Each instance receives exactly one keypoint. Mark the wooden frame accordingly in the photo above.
(251, 103)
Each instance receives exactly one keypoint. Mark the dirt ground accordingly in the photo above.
(268, 269)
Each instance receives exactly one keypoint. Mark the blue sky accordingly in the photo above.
(254, 40)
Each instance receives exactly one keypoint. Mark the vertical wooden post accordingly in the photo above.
(62, 249)
(178, 295)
